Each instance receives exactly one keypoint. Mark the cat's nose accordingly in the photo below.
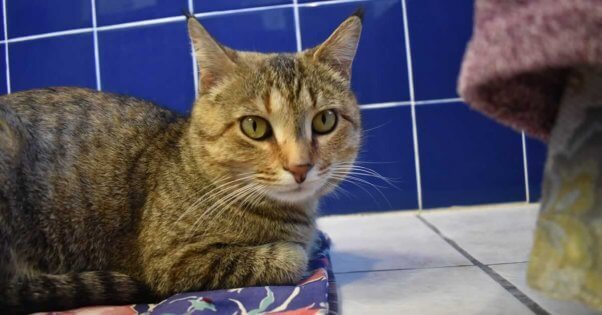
(299, 171)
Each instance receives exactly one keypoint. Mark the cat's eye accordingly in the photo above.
(255, 127)
(324, 122)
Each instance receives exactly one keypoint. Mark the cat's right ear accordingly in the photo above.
(214, 60)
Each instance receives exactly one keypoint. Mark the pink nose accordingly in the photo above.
(299, 171)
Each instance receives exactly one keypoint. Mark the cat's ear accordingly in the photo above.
(214, 60)
(339, 49)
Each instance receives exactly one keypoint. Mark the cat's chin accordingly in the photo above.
(296, 194)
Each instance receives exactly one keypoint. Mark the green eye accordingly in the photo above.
(255, 127)
(324, 122)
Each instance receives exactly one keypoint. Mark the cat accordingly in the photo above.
(108, 199)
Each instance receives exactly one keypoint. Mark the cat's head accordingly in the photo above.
(286, 124)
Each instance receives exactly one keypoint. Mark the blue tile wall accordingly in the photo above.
(2, 24)
(212, 5)
(265, 31)
(380, 69)
(53, 61)
(2, 71)
(122, 11)
(439, 31)
(152, 62)
(465, 158)
(28, 17)
(536, 153)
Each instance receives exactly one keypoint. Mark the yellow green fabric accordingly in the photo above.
(566, 260)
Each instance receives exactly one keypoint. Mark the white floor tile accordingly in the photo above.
(455, 290)
(386, 241)
(500, 234)
(516, 274)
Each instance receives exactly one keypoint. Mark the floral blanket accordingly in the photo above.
(316, 294)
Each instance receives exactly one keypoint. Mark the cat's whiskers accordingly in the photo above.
(225, 196)
(364, 171)
(226, 202)
(352, 173)
(257, 196)
(220, 183)
(250, 201)
(344, 178)
(203, 191)
(219, 186)
(337, 189)
(361, 173)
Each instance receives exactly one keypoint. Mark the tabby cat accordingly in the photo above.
(108, 199)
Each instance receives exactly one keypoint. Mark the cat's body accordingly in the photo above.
(75, 164)
(110, 199)
(104, 195)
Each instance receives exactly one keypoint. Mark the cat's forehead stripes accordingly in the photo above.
(287, 74)
(267, 102)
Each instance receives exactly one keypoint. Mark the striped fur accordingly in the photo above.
(45, 292)
(108, 199)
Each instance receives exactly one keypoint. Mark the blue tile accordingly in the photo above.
(122, 11)
(54, 61)
(466, 158)
(264, 31)
(213, 5)
(439, 32)
(27, 17)
(3, 88)
(387, 149)
(2, 22)
(379, 70)
(536, 159)
(151, 62)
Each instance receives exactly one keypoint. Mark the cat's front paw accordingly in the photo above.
(290, 262)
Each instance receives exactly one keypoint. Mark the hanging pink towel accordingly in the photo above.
(515, 66)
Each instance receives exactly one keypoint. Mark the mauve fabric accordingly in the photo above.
(516, 63)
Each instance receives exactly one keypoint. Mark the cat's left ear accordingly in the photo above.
(215, 61)
(339, 49)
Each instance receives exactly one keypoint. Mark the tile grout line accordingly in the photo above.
(195, 71)
(328, 2)
(526, 168)
(6, 57)
(245, 10)
(384, 105)
(401, 269)
(127, 25)
(96, 53)
(409, 103)
(507, 285)
(406, 33)
(508, 263)
(297, 25)
(50, 34)
(439, 101)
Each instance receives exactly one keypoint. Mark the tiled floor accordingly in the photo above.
(454, 261)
